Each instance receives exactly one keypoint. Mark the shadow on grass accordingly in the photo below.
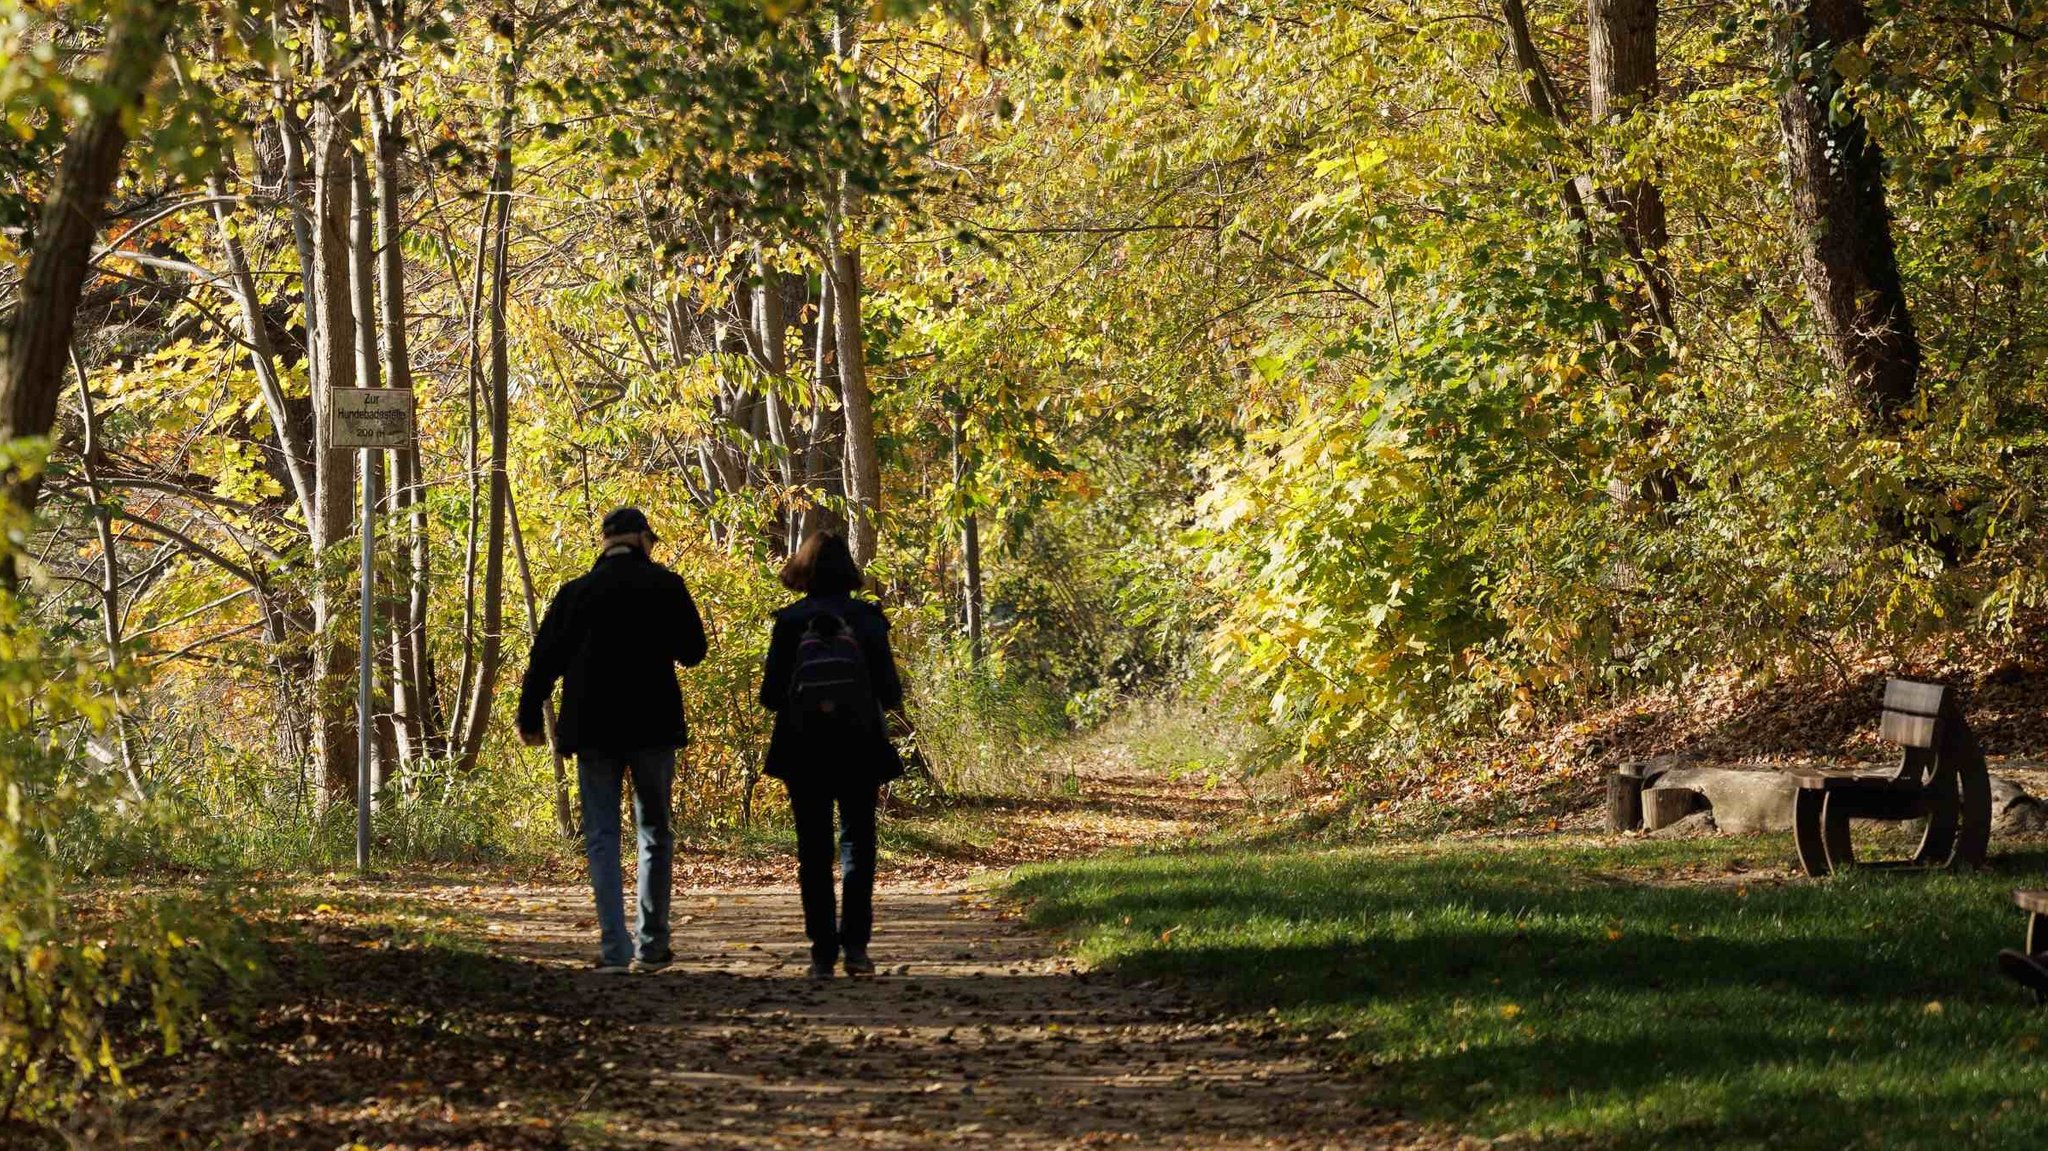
(1533, 988)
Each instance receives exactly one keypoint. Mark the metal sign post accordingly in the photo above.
(373, 420)
(365, 642)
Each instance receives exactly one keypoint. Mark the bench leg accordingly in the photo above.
(1806, 813)
(2030, 967)
(1938, 845)
(1973, 833)
(1834, 832)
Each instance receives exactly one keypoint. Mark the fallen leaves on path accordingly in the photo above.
(978, 1032)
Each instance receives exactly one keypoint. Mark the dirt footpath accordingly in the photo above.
(976, 1034)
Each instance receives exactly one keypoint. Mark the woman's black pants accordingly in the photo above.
(811, 805)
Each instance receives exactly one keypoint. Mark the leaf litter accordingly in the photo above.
(486, 1032)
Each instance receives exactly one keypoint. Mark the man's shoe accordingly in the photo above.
(650, 966)
(858, 963)
(820, 972)
(600, 967)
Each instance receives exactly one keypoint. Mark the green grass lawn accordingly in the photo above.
(1629, 995)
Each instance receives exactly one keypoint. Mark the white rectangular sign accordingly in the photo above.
(369, 417)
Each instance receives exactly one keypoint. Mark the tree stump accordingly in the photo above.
(1664, 806)
(1625, 799)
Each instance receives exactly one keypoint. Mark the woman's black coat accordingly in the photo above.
(788, 759)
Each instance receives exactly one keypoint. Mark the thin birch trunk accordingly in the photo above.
(292, 137)
(412, 718)
(822, 465)
(363, 289)
(861, 467)
(491, 639)
(466, 673)
(774, 364)
(334, 736)
(862, 464)
(293, 440)
(110, 577)
(970, 537)
(565, 820)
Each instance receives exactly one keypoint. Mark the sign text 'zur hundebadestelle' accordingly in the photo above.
(369, 417)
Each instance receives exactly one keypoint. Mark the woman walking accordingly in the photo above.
(828, 678)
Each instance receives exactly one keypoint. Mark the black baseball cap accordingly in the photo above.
(626, 522)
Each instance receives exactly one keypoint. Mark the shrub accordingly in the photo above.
(82, 986)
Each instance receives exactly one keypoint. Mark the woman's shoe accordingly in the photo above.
(858, 963)
(820, 972)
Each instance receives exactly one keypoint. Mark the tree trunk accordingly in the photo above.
(409, 619)
(473, 379)
(294, 440)
(90, 457)
(970, 538)
(565, 821)
(824, 464)
(46, 307)
(1621, 59)
(1548, 103)
(863, 468)
(363, 290)
(292, 141)
(491, 634)
(773, 331)
(299, 683)
(1841, 224)
(334, 737)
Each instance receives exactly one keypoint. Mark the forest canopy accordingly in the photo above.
(1421, 366)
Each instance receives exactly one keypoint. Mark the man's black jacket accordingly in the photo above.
(870, 761)
(613, 637)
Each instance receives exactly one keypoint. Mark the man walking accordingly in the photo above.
(613, 637)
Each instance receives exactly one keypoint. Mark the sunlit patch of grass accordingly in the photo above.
(1642, 994)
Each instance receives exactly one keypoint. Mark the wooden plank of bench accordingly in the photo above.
(1914, 697)
(1907, 729)
(1817, 781)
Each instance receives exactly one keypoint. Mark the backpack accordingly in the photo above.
(829, 692)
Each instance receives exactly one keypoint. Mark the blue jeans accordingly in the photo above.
(599, 778)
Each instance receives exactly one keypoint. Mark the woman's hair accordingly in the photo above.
(823, 566)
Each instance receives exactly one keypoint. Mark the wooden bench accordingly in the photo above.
(2030, 966)
(1941, 777)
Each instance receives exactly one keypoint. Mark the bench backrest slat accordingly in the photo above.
(1913, 717)
(1913, 697)
(1908, 730)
